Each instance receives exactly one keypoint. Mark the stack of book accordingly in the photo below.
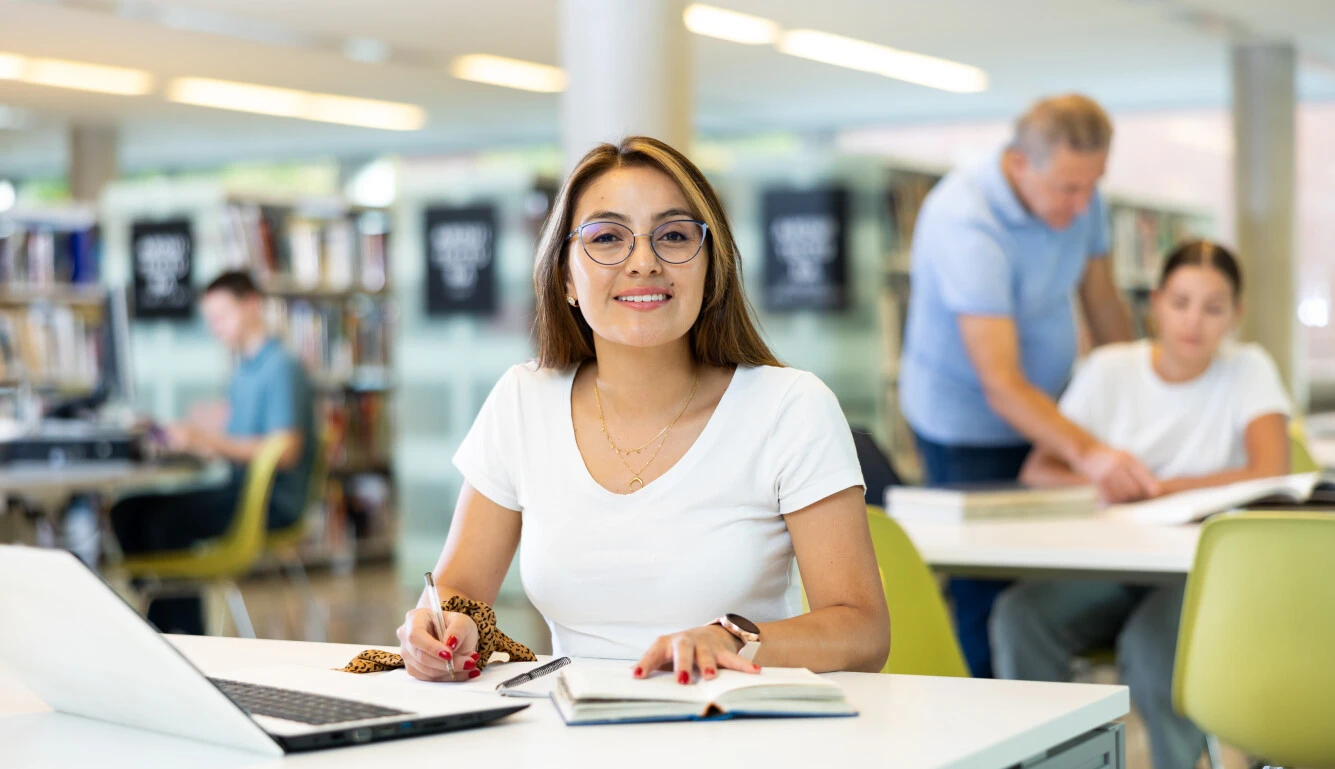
(982, 501)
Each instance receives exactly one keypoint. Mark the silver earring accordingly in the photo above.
(572, 301)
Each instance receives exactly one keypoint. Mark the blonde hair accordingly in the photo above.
(1071, 120)
(725, 332)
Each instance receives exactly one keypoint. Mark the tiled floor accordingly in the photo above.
(365, 607)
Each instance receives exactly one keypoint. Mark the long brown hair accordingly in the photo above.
(724, 334)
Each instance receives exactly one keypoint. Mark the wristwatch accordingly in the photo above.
(744, 629)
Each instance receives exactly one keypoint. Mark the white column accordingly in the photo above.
(628, 73)
(92, 161)
(1263, 173)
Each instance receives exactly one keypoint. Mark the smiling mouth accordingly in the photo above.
(644, 298)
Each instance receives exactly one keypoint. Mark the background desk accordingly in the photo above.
(38, 479)
(907, 722)
(1058, 548)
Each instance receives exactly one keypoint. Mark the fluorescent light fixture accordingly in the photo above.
(11, 66)
(509, 73)
(882, 60)
(80, 76)
(289, 102)
(730, 25)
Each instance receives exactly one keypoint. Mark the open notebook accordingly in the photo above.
(601, 696)
(1190, 506)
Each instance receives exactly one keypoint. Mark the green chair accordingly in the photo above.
(922, 642)
(214, 564)
(1300, 457)
(1254, 653)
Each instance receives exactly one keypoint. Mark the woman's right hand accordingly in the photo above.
(428, 658)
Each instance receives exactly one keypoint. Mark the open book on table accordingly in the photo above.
(1199, 504)
(600, 696)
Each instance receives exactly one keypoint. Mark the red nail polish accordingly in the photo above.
(475, 655)
(469, 664)
(710, 672)
(475, 674)
(445, 655)
(452, 642)
(639, 671)
(757, 667)
(683, 677)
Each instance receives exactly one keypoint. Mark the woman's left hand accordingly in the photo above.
(701, 651)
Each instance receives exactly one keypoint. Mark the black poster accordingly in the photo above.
(806, 250)
(163, 258)
(460, 260)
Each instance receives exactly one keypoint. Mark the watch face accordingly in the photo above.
(744, 623)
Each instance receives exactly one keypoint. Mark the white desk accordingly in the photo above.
(1080, 548)
(907, 722)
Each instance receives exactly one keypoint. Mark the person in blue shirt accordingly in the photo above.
(1000, 254)
(269, 394)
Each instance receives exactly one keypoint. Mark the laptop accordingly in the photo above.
(67, 636)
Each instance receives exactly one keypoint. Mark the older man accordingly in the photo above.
(1000, 253)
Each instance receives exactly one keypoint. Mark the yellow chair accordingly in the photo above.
(1254, 661)
(284, 544)
(921, 640)
(215, 563)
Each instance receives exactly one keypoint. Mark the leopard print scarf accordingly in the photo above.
(490, 639)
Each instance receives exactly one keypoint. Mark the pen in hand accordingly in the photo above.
(437, 616)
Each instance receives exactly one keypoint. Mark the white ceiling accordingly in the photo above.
(1132, 54)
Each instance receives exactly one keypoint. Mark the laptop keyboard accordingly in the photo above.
(302, 707)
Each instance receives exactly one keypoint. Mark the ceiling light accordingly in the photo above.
(289, 102)
(730, 25)
(509, 73)
(77, 75)
(11, 66)
(881, 60)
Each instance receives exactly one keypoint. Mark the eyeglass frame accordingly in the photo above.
(634, 239)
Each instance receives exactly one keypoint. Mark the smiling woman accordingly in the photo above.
(659, 466)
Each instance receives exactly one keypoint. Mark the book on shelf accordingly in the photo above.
(956, 503)
(595, 695)
(333, 340)
(1141, 237)
(49, 345)
(40, 256)
(1199, 504)
(291, 250)
(903, 200)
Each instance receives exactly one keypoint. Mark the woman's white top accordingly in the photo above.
(1185, 429)
(612, 572)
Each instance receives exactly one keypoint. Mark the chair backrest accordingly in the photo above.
(1300, 457)
(238, 549)
(1256, 649)
(878, 473)
(921, 639)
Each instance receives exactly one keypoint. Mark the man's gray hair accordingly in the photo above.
(1071, 120)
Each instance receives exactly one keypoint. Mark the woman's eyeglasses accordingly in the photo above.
(609, 243)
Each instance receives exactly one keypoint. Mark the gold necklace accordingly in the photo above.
(661, 436)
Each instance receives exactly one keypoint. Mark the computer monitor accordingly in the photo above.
(115, 375)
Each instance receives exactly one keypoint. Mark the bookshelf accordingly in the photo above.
(1141, 233)
(324, 269)
(51, 304)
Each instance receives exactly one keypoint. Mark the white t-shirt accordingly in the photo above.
(1185, 429)
(612, 572)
